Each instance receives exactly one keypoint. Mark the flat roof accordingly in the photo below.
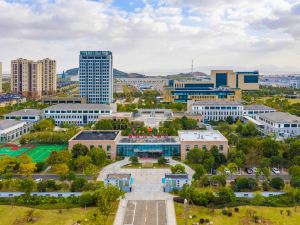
(118, 176)
(74, 106)
(253, 120)
(96, 135)
(200, 135)
(4, 124)
(176, 176)
(25, 112)
(119, 114)
(280, 117)
(257, 107)
(213, 103)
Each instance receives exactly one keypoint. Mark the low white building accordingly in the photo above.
(30, 115)
(216, 110)
(11, 130)
(280, 124)
(77, 114)
(253, 110)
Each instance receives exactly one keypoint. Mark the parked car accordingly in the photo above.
(38, 180)
(275, 170)
(248, 170)
(227, 171)
(213, 171)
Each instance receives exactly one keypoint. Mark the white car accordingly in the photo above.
(227, 171)
(38, 180)
(276, 170)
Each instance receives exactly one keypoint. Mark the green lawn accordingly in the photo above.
(17, 215)
(41, 152)
(139, 166)
(268, 215)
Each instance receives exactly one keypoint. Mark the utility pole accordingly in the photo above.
(185, 211)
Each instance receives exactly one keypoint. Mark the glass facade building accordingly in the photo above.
(96, 76)
(148, 150)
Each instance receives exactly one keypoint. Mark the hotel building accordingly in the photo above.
(96, 76)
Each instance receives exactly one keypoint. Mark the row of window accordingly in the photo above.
(78, 111)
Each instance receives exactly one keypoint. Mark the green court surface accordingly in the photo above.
(13, 153)
(38, 153)
(41, 152)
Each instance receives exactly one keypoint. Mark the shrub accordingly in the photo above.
(266, 186)
(295, 182)
(40, 166)
(236, 209)
(229, 214)
(87, 199)
(206, 220)
(201, 221)
(178, 199)
(161, 160)
(224, 212)
(277, 183)
(134, 159)
(78, 184)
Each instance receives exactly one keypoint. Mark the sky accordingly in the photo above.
(154, 37)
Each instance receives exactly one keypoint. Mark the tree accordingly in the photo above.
(199, 172)
(44, 125)
(26, 185)
(270, 147)
(7, 164)
(134, 159)
(225, 195)
(78, 184)
(178, 168)
(195, 156)
(98, 156)
(218, 180)
(294, 171)
(277, 183)
(245, 184)
(104, 124)
(161, 160)
(209, 163)
(26, 169)
(79, 150)
(295, 182)
(82, 162)
(91, 170)
(61, 169)
(106, 199)
(229, 120)
(59, 157)
(24, 159)
(232, 167)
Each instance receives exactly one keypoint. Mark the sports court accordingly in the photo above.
(38, 153)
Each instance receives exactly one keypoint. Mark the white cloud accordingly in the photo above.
(158, 38)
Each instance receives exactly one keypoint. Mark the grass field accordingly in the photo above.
(38, 153)
(291, 100)
(41, 152)
(18, 215)
(267, 215)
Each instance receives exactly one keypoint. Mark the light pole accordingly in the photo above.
(185, 211)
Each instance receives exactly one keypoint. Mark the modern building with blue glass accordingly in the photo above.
(96, 76)
(244, 80)
(177, 91)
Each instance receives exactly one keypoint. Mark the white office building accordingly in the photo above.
(253, 110)
(280, 124)
(11, 130)
(216, 110)
(96, 76)
(77, 114)
(29, 115)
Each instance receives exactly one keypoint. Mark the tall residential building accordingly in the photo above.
(96, 76)
(48, 76)
(26, 78)
(0, 77)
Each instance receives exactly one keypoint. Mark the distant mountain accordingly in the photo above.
(117, 73)
(186, 76)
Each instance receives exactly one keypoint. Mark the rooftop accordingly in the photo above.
(200, 135)
(176, 176)
(214, 103)
(4, 124)
(257, 107)
(79, 107)
(119, 176)
(281, 117)
(96, 135)
(25, 112)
